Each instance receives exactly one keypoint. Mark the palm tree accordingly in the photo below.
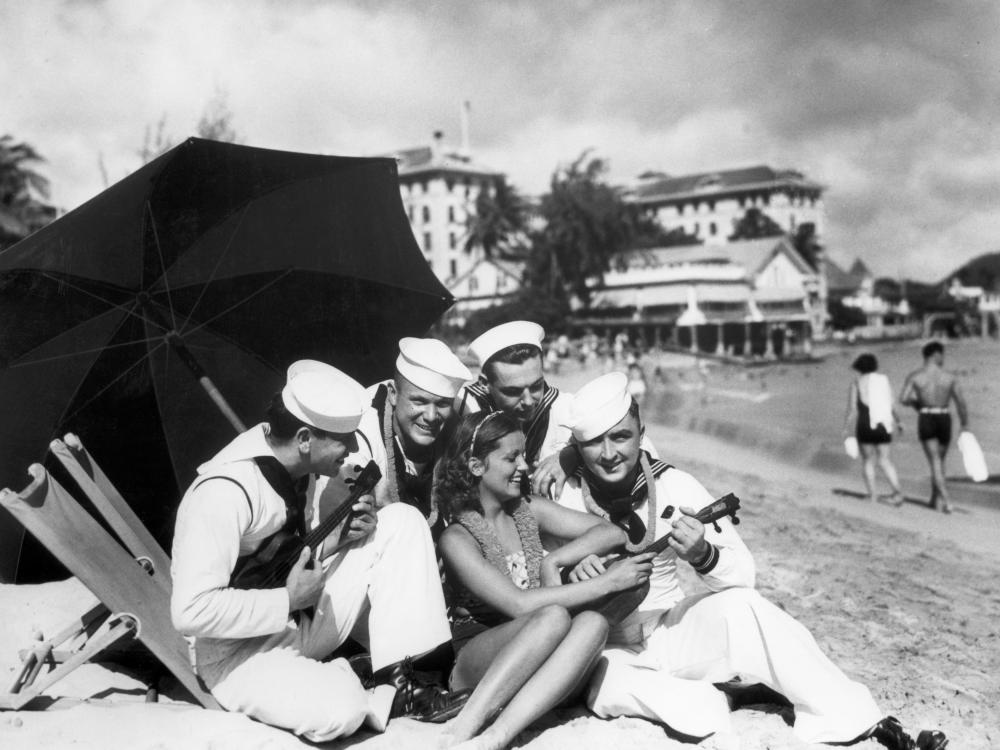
(587, 224)
(499, 223)
(22, 190)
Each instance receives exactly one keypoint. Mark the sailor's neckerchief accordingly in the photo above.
(621, 510)
(538, 425)
(290, 490)
(412, 489)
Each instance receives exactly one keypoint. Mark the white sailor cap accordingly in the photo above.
(504, 335)
(599, 405)
(324, 397)
(431, 365)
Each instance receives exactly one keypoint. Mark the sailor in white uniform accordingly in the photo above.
(663, 659)
(511, 380)
(260, 651)
(403, 431)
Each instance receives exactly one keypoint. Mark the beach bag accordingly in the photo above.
(972, 457)
(851, 447)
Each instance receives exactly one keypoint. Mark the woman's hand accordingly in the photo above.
(590, 567)
(630, 572)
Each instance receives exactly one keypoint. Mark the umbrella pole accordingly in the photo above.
(178, 345)
(188, 359)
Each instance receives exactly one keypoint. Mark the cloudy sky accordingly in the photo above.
(893, 105)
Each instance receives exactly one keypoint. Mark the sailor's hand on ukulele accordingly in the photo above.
(630, 572)
(687, 538)
(362, 519)
(304, 584)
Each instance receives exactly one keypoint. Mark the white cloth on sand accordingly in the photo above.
(876, 393)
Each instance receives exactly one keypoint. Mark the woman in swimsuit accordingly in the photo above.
(518, 641)
(870, 412)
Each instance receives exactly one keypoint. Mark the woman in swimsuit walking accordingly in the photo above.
(870, 411)
(518, 641)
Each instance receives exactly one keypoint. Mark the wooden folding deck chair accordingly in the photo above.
(132, 586)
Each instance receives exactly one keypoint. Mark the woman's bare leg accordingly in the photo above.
(561, 675)
(885, 463)
(868, 468)
(500, 661)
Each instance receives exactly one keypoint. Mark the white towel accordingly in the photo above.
(876, 393)
(972, 457)
(851, 447)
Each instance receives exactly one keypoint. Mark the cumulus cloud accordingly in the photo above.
(890, 105)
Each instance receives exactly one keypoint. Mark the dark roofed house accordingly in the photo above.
(708, 204)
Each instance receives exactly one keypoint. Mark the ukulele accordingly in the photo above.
(616, 607)
(268, 567)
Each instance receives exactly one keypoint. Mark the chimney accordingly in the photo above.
(437, 147)
(466, 149)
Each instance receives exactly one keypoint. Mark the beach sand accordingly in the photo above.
(903, 600)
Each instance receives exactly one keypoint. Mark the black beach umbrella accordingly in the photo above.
(197, 279)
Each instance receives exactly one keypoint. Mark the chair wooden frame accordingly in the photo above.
(131, 582)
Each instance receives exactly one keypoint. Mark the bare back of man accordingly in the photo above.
(930, 390)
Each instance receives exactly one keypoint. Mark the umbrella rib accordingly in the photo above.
(215, 270)
(243, 301)
(163, 266)
(24, 363)
(121, 375)
(113, 305)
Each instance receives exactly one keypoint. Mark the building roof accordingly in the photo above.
(659, 188)
(427, 159)
(753, 255)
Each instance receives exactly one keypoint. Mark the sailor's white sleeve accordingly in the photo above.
(730, 563)
(210, 521)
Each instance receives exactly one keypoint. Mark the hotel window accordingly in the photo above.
(451, 213)
(452, 241)
(712, 228)
(450, 184)
(473, 284)
(453, 267)
(409, 211)
(426, 212)
(697, 229)
(501, 281)
(427, 242)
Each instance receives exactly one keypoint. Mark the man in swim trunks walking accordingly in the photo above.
(929, 390)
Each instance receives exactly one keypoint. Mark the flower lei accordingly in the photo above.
(527, 532)
(597, 510)
(389, 439)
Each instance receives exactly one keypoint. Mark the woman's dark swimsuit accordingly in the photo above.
(864, 432)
